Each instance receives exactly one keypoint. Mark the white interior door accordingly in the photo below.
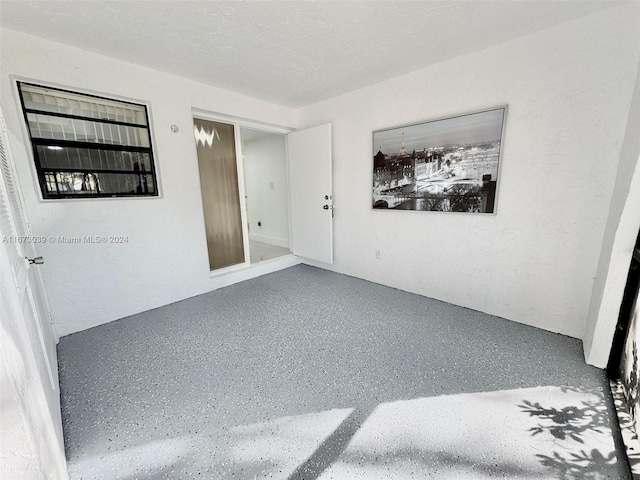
(309, 153)
(30, 394)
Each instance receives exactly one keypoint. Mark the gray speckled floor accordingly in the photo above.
(307, 374)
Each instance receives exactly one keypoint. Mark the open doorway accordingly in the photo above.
(266, 193)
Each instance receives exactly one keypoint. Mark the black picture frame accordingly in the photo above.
(449, 164)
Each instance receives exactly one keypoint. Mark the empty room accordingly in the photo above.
(307, 240)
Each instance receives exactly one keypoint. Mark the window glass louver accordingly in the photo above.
(88, 146)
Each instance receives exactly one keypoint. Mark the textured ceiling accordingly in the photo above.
(290, 53)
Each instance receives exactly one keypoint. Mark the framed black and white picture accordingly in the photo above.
(448, 165)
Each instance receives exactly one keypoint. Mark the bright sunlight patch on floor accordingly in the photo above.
(532, 433)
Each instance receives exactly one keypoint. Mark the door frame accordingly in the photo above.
(238, 123)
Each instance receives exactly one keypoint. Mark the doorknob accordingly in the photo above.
(35, 260)
(326, 207)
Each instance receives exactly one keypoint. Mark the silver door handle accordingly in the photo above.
(35, 260)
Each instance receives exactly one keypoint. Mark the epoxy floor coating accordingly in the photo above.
(308, 374)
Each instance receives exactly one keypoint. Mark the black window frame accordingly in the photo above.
(42, 172)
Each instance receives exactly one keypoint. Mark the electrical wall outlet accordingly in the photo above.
(378, 256)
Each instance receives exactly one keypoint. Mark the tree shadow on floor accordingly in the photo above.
(568, 422)
(584, 465)
(572, 425)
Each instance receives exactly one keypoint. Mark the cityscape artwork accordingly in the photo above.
(445, 165)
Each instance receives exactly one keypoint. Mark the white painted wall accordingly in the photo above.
(166, 257)
(266, 189)
(568, 89)
(617, 246)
